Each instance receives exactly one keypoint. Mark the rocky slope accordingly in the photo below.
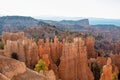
(43, 32)
(11, 69)
(75, 56)
(14, 23)
(69, 24)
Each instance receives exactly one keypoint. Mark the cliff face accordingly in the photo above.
(50, 52)
(23, 50)
(84, 22)
(90, 47)
(73, 62)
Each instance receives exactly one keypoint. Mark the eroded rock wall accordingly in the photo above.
(74, 62)
(24, 50)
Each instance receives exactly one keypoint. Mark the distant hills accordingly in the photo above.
(70, 24)
(92, 20)
(15, 23)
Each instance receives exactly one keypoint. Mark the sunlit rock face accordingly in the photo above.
(109, 71)
(24, 50)
(116, 60)
(90, 47)
(56, 50)
(11, 69)
(30, 75)
(50, 75)
(50, 51)
(53, 48)
(13, 36)
(74, 63)
(3, 77)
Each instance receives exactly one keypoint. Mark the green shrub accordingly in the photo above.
(40, 66)
(115, 77)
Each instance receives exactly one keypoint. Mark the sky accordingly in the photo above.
(61, 8)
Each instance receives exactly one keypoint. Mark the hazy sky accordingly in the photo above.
(66, 8)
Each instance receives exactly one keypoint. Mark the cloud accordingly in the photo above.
(68, 8)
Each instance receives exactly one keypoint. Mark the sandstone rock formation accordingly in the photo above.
(73, 62)
(30, 75)
(53, 48)
(90, 47)
(109, 72)
(12, 36)
(101, 61)
(96, 65)
(1, 52)
(48, 74)
(116, 60)
(56, 50)
(45, 58)
(3, 77)
(24, 50)
(11, 69)
(50, 52)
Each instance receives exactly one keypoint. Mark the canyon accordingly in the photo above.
(58, 50)
(66, 60)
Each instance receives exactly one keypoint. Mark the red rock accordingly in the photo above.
(90, 47)
(101, 61)
(23, 50)
(13, 36)
(11, 69)
(74, 63)
(109, 71)
(116, 60)
(53, 50)
(49, 74)
(3, 77)
(45, 57)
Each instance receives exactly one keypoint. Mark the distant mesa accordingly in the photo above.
(15, 23)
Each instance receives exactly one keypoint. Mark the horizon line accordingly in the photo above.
(62, 17)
